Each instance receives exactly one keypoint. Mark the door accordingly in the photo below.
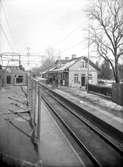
(8, 79)
(83, 80)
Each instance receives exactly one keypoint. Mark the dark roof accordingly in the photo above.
(91, 63)
(78, 58)
(62, 61)
(68, 63)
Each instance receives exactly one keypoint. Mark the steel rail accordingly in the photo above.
(73, 131)
(82, 145)
(90, 125)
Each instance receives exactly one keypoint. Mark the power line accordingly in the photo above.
(5, 54)
(6, 19)
(72, 46)
(9, 44)
(33, 55)
(4, 32)
(69, 34)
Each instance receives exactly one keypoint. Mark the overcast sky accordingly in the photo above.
(41, 24)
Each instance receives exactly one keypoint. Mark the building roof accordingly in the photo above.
(69, 63)
(62, 61)
(48, 70)
(91, 63)
(66, 66)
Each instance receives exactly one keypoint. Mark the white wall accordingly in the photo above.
(78, 69)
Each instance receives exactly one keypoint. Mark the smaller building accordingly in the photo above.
(12, 75)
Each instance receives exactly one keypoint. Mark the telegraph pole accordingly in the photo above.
(88, 55)
(19, 60)
(28, 55)
(28, 62)
(0, 29)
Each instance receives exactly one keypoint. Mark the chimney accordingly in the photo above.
(73, 56)
(66, 58)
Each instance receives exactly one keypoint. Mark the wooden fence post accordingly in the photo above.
(39, 112)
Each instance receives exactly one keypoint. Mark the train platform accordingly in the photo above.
(55, 149)
(102, 108)
(15, 132)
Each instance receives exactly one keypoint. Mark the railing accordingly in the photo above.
(9, 161)
(34, 103)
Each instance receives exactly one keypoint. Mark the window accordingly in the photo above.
(90, 77)
(19, 79)
(83, 75)
(76, 80)
(84, 64)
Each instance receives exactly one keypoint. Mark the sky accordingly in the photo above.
(43, 24)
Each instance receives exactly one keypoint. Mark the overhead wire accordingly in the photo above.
(3, 29)
(69, 34)
(6, 38)
(5, 35)
(7, 22)
(4, 32)
(9, 30)
(62, 51)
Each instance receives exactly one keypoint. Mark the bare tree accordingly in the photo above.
(106, 31)
(49, 61)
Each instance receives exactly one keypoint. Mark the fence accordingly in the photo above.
(34, 103)
(9, 161)
(117, 93)
(107, 91)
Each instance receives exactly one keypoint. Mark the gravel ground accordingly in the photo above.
(12, 140)
(92, 99)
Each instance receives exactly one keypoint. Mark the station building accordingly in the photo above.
(73, 73)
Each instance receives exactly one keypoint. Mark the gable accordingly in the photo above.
(82, 65)
(78, 64)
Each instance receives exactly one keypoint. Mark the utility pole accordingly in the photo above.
(28, 55)
(19, 60)
(88, 55)
(0, 29)
(59, 57)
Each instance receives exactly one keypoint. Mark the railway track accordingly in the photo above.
(99, 148)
